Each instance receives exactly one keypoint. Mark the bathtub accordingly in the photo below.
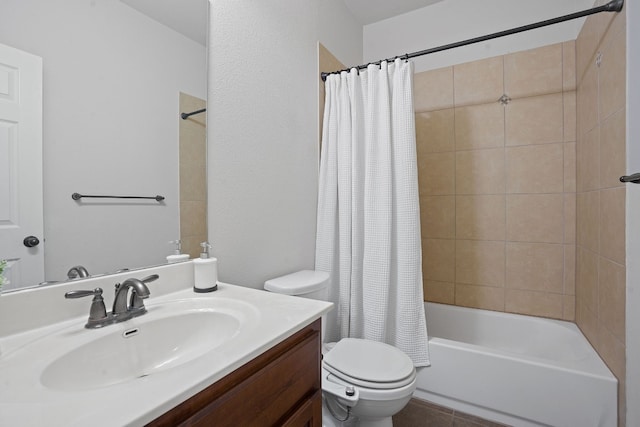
(514, 369)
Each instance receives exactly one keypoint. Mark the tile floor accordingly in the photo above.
(419, 413)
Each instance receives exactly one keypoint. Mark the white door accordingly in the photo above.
(21, 167)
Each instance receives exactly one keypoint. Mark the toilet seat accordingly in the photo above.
(369, 364)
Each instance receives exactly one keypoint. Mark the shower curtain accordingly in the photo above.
(368, 230)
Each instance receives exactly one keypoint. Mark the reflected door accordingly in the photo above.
(21, 217)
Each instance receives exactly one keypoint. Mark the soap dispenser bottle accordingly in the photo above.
(205, 271)
(177, 256)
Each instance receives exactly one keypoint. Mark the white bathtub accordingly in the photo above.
(518, 370)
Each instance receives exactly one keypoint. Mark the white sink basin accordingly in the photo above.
(183, 344)
(171, 334)
(149, 346)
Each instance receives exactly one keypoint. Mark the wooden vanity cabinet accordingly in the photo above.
(281, 387)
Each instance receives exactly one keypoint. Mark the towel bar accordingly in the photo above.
(78, 196)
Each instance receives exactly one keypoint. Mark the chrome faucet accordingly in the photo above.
(98, 316)
(77, 272)
(139, 291)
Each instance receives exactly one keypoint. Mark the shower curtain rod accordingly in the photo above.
(612, 6)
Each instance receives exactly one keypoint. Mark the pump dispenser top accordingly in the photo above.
(205, 271)
(205, 250)
(177, 255)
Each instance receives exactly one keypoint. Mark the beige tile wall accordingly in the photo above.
(601, 147)
(193, 176)
(497, 182)
(326, 63)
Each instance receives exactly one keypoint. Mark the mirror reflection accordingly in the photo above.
(113, 76)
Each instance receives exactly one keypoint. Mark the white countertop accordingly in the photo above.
(24, 401)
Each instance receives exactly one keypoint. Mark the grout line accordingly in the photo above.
(455, 192)
(598, 52)
(504, 144)
(564, 187)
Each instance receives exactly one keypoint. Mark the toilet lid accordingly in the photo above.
(369, 363)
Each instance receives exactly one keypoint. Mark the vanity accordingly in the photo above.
(236, 356)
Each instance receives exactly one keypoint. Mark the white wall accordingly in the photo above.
(340, 32)
(451, 21)
(633, 222)
(111, 83)
(262, 130)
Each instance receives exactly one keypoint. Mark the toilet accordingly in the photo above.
(364, 383)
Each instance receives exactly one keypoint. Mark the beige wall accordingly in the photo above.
(600, 273)
(193, 176)
(497, 182)
(326, 63)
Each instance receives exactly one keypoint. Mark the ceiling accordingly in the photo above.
(188, 17)
(369, 11)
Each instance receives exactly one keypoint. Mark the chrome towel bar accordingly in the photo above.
(78, 196)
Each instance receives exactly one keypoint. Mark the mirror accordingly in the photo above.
(113, 72)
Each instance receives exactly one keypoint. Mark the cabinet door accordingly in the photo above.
(309, 414)
(277, 387)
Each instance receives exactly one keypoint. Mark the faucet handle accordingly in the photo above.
(146, 280)
(79, 294)
(150, 279)
(98, 316)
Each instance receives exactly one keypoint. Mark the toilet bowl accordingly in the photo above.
(380, 378)
(364, 383)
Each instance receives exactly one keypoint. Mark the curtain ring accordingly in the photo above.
(406, 57)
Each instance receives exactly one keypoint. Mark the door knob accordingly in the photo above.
(31, 241)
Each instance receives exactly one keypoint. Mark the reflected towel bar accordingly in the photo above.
(78, 196)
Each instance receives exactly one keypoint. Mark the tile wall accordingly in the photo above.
(326, 63)
(497, 182)
(193, 176)
(601, 160)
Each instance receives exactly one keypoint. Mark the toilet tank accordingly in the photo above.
(306, 283)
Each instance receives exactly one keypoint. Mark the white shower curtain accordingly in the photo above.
(368, 231)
